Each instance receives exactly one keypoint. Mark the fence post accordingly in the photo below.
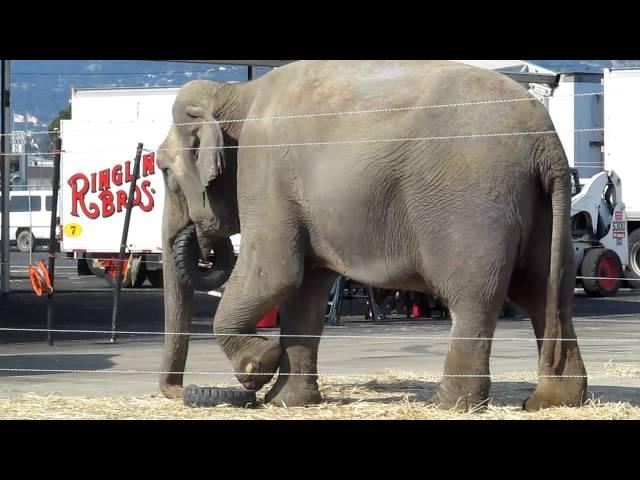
(4, 166)
(123, 244)
(55, 186)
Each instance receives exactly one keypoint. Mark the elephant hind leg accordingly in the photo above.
(466, 381)
(474, 309)
(302, 314)
(564, 381)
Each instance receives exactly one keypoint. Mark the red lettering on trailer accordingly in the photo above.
(128, 174)
(111, 202)
(148, 164)
(116, 175)
(94, 183)
(122, 200)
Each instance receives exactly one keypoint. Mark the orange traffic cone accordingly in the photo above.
(270, 320)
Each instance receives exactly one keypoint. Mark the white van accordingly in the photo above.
(30, 218)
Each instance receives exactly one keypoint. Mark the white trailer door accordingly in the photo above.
(96, 167)
(622, 133)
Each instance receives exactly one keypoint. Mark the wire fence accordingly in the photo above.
(30, 219)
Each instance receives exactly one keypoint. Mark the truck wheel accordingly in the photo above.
(24, 241)
(632, 272)
(199, 277)
(95, 266)
(155, 278)
(83, 267)
(601, 262)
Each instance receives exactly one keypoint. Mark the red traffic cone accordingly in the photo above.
(415, 311)
(270, 320)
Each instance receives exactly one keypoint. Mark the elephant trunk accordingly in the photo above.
(205, 244)
(189, 248)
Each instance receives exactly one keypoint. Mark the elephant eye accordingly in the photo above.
(195, 146)
(172, 183)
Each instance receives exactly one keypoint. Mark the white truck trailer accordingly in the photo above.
(622, 151)
(99, 145)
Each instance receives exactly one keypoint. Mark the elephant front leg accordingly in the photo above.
(177, 313)
(253, 290)
(302, 314)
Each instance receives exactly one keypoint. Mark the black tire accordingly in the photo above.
(601, 262)
(83, 267)
(94, 268)
(25, 241)
(185, 256)
(155, 278)
(195, 396)
(632, 272)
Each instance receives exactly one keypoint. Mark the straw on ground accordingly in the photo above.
(392, 395)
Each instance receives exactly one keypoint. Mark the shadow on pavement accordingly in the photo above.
(89, 361)
(139, 311)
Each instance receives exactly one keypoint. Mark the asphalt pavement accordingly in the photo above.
(86, 304)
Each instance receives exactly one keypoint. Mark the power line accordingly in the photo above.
(123, 73)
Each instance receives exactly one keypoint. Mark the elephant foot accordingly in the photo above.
(258, 363)
(557, 392)
(294, 392)
(171, 391)
(460, 399)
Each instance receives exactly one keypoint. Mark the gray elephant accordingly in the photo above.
(394, 198)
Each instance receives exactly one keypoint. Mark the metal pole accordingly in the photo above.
(123, 244)
(336, 304)
(52, 237)
(253, 72)
(5, 284)
(376, 314)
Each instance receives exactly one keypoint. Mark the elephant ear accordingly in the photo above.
(210, 159)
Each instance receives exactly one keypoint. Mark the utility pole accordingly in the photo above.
(4, 172)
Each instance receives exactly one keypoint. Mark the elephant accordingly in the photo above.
(430, 176)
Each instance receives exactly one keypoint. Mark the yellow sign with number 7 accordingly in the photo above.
(72, 230)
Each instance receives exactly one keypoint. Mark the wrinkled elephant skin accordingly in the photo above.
(374, 197)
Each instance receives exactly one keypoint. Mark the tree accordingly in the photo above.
(64, 114)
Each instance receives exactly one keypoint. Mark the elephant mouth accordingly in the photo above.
(202, 264)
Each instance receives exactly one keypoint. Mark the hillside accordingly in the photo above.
(42, 88)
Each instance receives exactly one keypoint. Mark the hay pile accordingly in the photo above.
(391, 396)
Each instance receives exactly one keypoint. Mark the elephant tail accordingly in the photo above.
(556, 182)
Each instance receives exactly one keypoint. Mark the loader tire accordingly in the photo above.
(597, 264)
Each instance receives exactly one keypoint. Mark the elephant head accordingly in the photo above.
(200, 168)
(199, 175)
